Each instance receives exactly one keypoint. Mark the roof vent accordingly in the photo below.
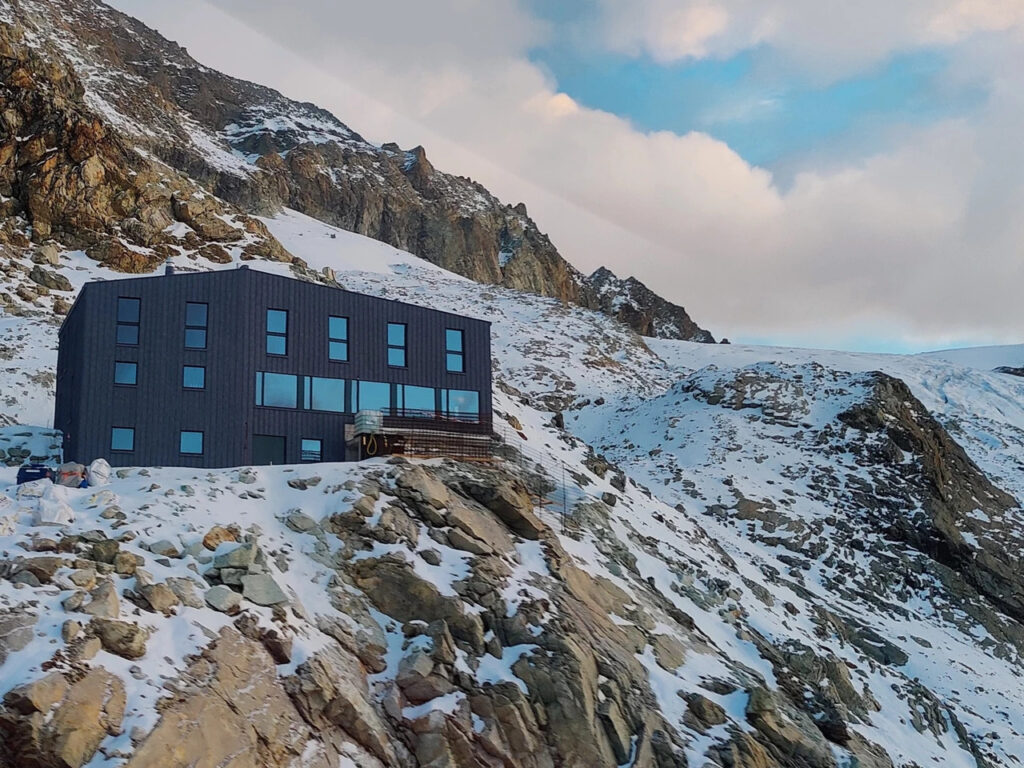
(168, 269)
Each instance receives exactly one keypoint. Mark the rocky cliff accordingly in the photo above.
(642, 309)
(257, 150)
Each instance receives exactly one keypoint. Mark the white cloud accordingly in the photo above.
(921, 242)
(834, 37)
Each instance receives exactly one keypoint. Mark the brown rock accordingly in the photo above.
(120, 637)
(217, 536)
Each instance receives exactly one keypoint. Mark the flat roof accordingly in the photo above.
(246, 269)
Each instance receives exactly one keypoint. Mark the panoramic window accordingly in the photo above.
(122, 439)
(461, 404)
(277, 390)
(371, 396)
(312, 450)
(126, 373)
(195, 325)
(416, 401)
(128, 313)
(396, 345)
(325, 394)
(277, 332)
(337, 339)
(191, 443)
(455, 360)
(193, 377)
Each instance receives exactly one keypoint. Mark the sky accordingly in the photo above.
(842, 174)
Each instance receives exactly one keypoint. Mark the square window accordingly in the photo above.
(453, 340)
(126, 373)
(128, 310)
(396, 357)
(312, 450)
(396, 334)
(277, 321)
(128, 334)
(337, 328)
(277, 345)
(195, 314)
(191, 443)
(193, 377)
(195, 338)
(455, 363)
(338, 351)
(122, 439)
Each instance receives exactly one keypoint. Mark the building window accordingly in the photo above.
(277, 332)
(370, 396)
(460, 404)
(195, 325)
(277, 390)
(126, 373)
(312, 450)
(193, 377)
(416, 401)
(324, 394)
(396, 345)
(122, 439)
(191, 443)
(128, 312)
(455, 355)
(337, 339)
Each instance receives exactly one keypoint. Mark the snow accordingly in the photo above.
(688, 462)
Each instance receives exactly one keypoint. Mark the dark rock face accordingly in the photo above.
(952, 489)
(642, 309)
(66, 175)
(1010, 370)
(260, 151)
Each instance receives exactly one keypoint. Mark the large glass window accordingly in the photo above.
(337, 339)
(371, 396)
(396, 345)
(195, 325)
(277, 390)
(122, 439)
(191, 443)
(126, 373)
(416, 401)
(193, 377)
(455, 355)
(312, 450)
(277, 332)
(327, 395)
(461, 404)
(129, 311)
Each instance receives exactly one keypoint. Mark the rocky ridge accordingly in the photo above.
(252, 147)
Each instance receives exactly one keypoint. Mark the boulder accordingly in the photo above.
(53, 723)
(223, 599)
(15, 632)
(240, 557)
(161, 598)
(104, 602)
(165, 548)
(49, 279)
(120, 638)
(424, 487)
(510, 503)
(481, 524)
(217, 536)
(262, 590)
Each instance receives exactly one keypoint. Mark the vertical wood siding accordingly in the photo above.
(89, 404)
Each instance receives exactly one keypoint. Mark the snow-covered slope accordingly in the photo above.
(745, 506)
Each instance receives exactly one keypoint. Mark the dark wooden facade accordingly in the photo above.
(158, 407)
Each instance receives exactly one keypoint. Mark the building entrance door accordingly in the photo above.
(268, 449)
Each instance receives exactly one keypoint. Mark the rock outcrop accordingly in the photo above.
(257, 150)
(642, 309)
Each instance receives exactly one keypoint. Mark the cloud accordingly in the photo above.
(836, 38)
(921, 242)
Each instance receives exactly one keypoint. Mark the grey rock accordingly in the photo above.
(262, 590)
(223, 599)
